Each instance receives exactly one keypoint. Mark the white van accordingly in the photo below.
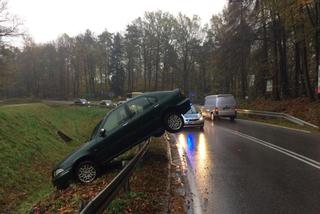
(221, 105)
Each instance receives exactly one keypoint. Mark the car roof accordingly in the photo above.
(218, 95)
(155, 93)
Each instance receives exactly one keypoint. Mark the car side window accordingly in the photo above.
(153, 100)
(116, 118)
(137, 106)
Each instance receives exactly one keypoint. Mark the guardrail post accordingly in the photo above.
(82, 205)
(126, 186)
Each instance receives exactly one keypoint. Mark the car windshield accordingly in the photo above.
(192, 110)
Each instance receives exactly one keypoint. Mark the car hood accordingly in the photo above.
(70, 159)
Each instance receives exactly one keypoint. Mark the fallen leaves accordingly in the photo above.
(147, 184)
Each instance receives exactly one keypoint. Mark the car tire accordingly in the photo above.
(232, 118)
(86, 172)
(173, 122)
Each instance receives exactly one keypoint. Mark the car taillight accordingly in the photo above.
(216, 110)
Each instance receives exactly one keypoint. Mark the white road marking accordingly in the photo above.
(289, 153)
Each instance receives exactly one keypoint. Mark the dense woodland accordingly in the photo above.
(252, 43)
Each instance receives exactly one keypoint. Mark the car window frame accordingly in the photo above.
(137, 98)
(110, 113)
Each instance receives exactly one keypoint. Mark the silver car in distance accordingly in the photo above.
(193, 119)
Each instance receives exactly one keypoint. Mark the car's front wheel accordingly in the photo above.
(173, 122)
(86, 171)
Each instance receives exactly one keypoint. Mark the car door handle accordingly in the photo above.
(156, 106)
(126, 123)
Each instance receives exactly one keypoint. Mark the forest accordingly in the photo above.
(254, 48)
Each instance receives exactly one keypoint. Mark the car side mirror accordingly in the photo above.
(102, 133)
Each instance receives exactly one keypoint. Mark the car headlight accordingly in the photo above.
(57, 172)
(201, 117)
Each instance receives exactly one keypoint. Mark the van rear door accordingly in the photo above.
(226, 105)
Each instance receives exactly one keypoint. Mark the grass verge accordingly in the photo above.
(300, 107)
(275, 121)
(30, 147)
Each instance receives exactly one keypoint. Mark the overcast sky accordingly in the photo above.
(45, 20)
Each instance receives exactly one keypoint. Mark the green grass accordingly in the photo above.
(30, 147)
(13, 101)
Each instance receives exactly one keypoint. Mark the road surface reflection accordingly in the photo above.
(194, 145)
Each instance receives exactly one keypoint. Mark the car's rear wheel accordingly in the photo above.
(86, 171)
(232, 118)
(173, 122)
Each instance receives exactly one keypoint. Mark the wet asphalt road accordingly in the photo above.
(248, 167)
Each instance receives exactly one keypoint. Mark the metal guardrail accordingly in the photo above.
(277, 115)
(101, 201)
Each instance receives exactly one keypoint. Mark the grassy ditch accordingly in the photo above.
(30, 147)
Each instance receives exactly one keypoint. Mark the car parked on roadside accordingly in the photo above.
(193, 119)
(120, 102)
(81, 102)
(127, 125)
(221, 105)
(107, 103)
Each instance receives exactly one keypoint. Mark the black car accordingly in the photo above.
(122, 128)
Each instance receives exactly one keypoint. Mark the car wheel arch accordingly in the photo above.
(169, 109)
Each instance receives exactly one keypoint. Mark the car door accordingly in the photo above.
(144, 111)
(116, 134)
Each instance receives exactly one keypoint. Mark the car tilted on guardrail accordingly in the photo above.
(129, 124)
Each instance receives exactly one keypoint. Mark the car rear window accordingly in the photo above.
(227, 100)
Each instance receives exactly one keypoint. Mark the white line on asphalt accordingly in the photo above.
(278, 126)
(278, 148)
